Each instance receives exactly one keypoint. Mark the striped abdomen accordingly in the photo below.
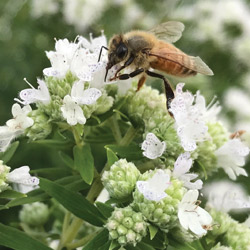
(167, 58)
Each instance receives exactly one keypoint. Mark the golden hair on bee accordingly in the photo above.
(141, 51)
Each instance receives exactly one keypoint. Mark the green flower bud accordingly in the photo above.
(150, 106)
(126, 226)
(53, 109)
(104, 103)
(41, 127)
(4, 170)
(163, 212)
(34, 214)
(120, 180)
(236, 235)
(60, 87)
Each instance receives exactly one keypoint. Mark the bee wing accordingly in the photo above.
(169, 31)
(171, 53)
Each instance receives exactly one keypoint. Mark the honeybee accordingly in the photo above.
(142, 51)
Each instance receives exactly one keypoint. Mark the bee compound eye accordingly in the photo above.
(122, 50)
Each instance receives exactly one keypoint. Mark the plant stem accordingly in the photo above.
(129, 136)
(71, 232)
(77, 136)
(115, 128)
(66, 222)
(82, 241)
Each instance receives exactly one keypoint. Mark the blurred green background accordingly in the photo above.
(217, 31)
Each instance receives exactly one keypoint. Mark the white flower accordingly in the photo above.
(95, 44)
(231, 157)
(181, 169)
(152, 146)
(82, 62)
(23, 179)
(226, 196)
(20, 119)
(193, 217)
(154, 188)
(33, 95)
(72, 112)
(81, 96)
(7, 135)
(189, 118)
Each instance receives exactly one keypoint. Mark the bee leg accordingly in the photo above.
(168, 89)
(132, 74)
(141, 82)
(126, 64)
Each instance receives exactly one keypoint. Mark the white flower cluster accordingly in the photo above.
(81, 59)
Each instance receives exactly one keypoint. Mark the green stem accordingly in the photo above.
(115, 128)
(65, 223)
(72, 231)
(77, 136)
(129, 136)
(82, 241)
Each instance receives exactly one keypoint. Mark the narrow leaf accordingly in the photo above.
(15, 239)
(53, 143)
(7, 155)
(131, 152)
(98, 241)
(69, 162)
(74, 202)
(105, 209)
(73, 183)
(84, 162)
(112, 157)
(11, 194)
(152, 231)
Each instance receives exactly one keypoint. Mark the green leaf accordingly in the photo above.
(152, 231)
(15, 239)
(73, 183)
(105, 209)
(98, 134)
(131, 152)
(55, 143)
(84, 162)
(111, 156)
(69, 162)
(52, 173)
(113, 245)
(11, 194)
(144, 246)
(7, 155)
(185, 246)
(74, 202)
(98, 241)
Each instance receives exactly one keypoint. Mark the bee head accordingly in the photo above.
(118, 49)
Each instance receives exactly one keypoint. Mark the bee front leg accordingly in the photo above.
(168, 89)
(126, 64)
(132, 74)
